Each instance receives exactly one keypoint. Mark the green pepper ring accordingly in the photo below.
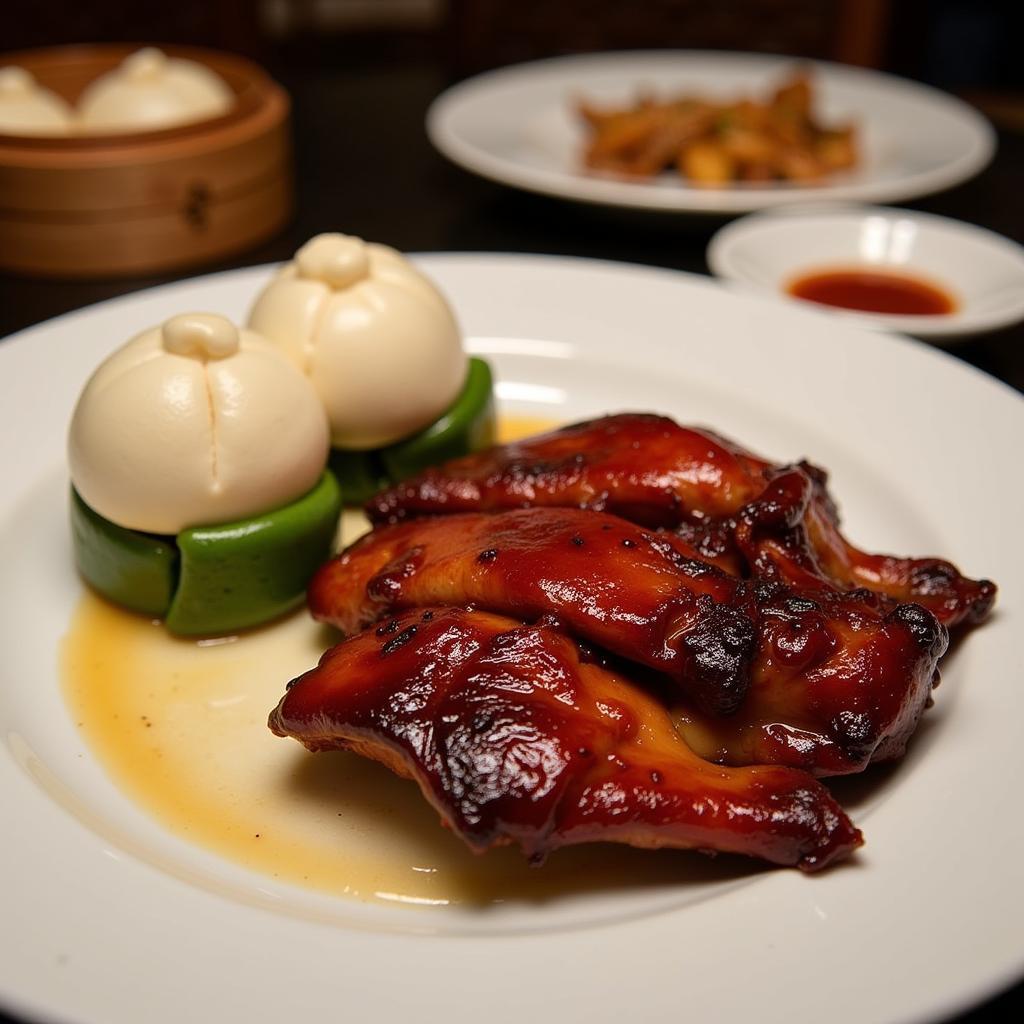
(211, 580)
(469, 425)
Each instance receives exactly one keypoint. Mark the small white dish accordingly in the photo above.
(982, 272)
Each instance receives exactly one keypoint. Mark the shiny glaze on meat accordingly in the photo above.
(790, 532)
(837, 682)
(829, 681)
(642, 596)
(514, 738)
(723, 500)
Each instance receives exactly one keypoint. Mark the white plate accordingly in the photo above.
(982, 271)
(517, 126)
(108, 918)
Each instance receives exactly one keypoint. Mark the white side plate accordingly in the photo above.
(518, 126)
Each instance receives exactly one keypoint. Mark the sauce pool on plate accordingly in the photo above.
(868, 290)
(181, 726)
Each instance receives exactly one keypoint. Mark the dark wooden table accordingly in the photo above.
(365, 167)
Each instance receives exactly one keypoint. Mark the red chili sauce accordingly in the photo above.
(872, 291)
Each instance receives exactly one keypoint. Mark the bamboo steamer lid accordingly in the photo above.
(130, 204)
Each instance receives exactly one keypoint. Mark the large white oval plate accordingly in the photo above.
(108, 918)
(517, 126)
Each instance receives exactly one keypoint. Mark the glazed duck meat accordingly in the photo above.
(514, 737)
(816, 679)
(758, 519)
(608, 582)
(836, 684)
(626, 630)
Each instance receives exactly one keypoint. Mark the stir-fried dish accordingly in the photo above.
(714, 143)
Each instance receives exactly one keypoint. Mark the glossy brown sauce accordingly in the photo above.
(873, 291)
(181, 726)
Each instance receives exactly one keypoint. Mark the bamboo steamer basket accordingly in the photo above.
(146, 202)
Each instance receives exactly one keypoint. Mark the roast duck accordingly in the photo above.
(631, 631)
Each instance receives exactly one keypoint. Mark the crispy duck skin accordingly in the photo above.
(815, 679)
(514, 738)
(790, 532)
(720, 498)
(837, 683)
(641, 596)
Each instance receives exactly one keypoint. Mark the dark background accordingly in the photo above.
(361, 74)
